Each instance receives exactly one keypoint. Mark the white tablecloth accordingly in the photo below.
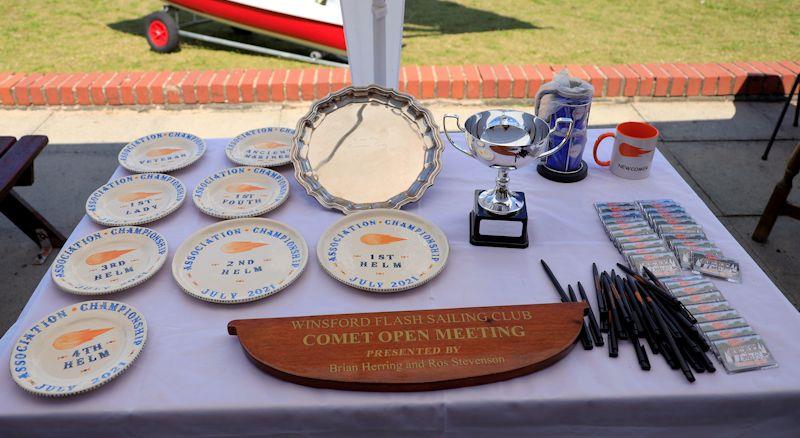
(193, 379)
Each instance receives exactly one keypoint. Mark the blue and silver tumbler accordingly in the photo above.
(565, 97)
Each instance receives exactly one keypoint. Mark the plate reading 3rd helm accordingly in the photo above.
(366, 147)
(383, 250)
(135, 199)
(241, 192)
(161, 152)
(110, 260)
(239, 260)
(263, 147)
(78, 348)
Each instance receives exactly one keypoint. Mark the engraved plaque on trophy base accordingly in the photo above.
(488, 229)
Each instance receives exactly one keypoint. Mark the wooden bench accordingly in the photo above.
(778, 204)
(16, 169)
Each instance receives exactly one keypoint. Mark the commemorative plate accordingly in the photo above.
(264, 147)
(161, 152)
(135, 199)
(78, 348)
(383, 250)
(109, 260)
(366, 147)
(241, 192)
(239, 260)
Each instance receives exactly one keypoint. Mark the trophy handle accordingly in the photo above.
(566, 137)
(458, 125)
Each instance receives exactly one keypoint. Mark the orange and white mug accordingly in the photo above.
(634, 147)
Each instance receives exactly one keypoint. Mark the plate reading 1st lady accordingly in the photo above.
(135, 199)
(110, 260)
(383, 250)
(78, 348)
(241, 192)
(263, 147)
(239, 260)
(161, 152)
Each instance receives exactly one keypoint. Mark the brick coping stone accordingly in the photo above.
(498, 81)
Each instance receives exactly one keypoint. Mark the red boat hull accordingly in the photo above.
(326, 36)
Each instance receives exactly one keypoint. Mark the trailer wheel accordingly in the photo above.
(161, 31)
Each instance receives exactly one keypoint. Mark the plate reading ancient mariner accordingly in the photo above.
(383, 250)
(241, 192)
(264, 147)
(161, 152)
(78, 348)
(239, 260)
(109, 261)
(366, 147)
(135, 199)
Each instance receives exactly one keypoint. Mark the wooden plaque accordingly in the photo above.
(412, 350)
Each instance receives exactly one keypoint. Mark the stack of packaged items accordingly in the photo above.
(629, 229)
(662, 237)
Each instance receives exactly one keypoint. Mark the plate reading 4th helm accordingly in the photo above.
(78, 348)
(161, 152)
(110, 260)
(135, 199)
(241, 192)
(239, 260)
(383, 250)
(263, 147)
(366, 147)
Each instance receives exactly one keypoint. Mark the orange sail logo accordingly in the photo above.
(135, 196)
(242, 188)
(268, 145)
(105, 256)
(629, 150)
(380, 239)
(73, 339)
(160, 152)
(237, 247)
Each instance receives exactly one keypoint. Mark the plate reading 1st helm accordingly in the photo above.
(366, 147)
(135, 199)
(78, 348)
(241, 192)
(265, 147)
(109, 260)
(239, 260)
(161, 152)
(383, 250)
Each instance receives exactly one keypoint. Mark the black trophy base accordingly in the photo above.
(488, 229)
(563, 177)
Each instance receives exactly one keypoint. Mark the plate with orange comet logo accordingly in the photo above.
(135, 199)
(161, 152)
(241, 192)
(264, 147)
(383, 250)
(78, 348)
(239, 260)
(109, 261)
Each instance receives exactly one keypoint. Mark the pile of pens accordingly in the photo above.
(634, 307)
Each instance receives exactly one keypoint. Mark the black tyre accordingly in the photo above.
(161, 31)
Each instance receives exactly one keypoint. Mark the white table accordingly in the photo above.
(193, 379)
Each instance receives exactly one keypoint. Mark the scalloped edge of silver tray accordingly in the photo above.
(304, 176)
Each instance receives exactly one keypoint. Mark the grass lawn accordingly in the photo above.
(106, 35)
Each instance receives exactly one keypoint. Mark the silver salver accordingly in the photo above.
(366, 147)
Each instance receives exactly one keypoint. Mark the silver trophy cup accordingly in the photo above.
(507, 140)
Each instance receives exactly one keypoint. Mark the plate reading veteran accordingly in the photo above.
(241, 192)
(135, 199)
(161, 152)
(263, 147)
(78, 348)
(383, 250)
(239, 260)
(109, 261)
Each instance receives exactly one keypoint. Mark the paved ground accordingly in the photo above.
(715, 145)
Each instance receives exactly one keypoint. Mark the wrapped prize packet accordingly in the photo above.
(743, 354)
(716, 266)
